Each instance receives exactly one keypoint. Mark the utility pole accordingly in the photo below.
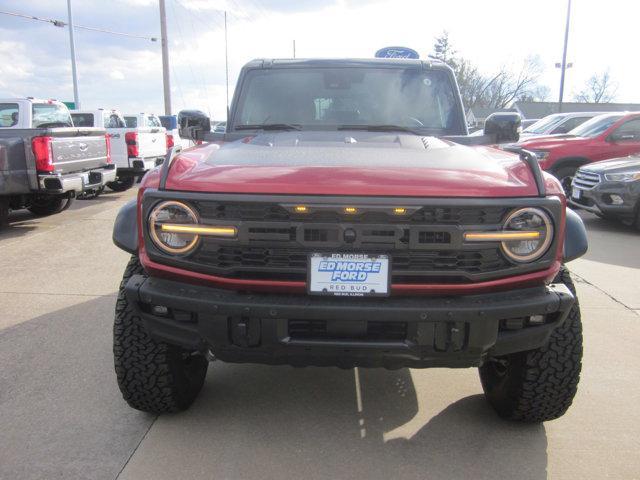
(165, 59)
(294, 48)
(74, 71)
(564, 56)
(226, 60)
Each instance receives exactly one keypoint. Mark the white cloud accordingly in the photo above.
(116, 75)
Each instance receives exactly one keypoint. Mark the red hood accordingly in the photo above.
(549, 142)
(335, 163)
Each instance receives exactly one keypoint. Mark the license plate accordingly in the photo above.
(575, 193)
(350, 275)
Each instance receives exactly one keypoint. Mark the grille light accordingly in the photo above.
(350, 210)
(399, 211)
(300, 209)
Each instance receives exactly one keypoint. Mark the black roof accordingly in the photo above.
(345, 62)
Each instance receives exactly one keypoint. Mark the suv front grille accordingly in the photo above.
(586, 180)
(425, 244)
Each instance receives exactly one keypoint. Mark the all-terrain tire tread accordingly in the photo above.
(549, 375)
(145, 368)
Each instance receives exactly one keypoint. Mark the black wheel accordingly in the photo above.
(122, 184)
(46, 205)
(153, 376)
(565, 175)
(540, 384)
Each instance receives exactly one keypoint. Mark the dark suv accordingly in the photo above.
(340, 221)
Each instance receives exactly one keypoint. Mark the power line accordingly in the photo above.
(61, 24)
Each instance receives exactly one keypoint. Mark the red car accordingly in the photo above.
(603, 137)
(340, 221)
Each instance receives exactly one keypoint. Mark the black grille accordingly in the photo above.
(249, 211)
(281, 263)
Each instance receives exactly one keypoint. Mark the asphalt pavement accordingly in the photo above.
(61, 414)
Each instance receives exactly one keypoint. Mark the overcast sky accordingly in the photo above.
(125, 73)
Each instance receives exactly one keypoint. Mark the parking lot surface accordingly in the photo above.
(62, 416)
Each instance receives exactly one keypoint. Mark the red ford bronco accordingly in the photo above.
(346, 219)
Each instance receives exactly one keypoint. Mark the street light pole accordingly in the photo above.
(564, 56)
(74, 71)
(165, 59)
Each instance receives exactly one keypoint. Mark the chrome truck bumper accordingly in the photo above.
(76, 182)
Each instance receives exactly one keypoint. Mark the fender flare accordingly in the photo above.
(125, 228)
(575, 237)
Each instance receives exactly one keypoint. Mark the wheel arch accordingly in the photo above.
(125, 228)
(575, 237)
(574, 162)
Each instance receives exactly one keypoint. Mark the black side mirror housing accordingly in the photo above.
(193, 124)
(504, 126)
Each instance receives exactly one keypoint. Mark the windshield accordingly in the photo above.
(595, 126)
(330, 98)
(51, 115)
(544, 125)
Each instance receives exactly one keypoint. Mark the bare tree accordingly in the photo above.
(498, 90)
(598, 89)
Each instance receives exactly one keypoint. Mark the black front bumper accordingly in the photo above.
(389, 332)
(598, 199)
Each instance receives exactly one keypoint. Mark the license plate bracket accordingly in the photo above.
(349, 274)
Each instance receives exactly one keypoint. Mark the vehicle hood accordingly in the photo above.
(351, 163)
(552, 141)
(615, 165)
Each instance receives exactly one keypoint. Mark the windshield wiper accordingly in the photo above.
(380, 128)
(270, 126)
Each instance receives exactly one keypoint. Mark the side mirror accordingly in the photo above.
(504, 126)
(193, 124)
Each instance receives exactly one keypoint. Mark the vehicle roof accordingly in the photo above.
(30, 99)
(345, 62)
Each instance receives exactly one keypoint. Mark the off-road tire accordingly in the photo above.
(538, 385)
(153, 376)
(122, 184)
(46, 205)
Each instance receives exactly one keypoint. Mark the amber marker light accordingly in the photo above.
(350, 210)
(399, 211)
(500, 236)
(300, 209)
(200, 230)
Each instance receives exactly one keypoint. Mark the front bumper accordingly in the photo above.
(598, 199)
(390, 332)
(76, 182)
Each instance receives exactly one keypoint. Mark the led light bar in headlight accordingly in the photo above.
(525, 237)
(200, 230)
(174, 228)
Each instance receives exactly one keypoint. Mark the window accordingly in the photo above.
(9, 115)
(544, 124)
(47, 115)
(327, 98)
(113, 120)
(153, 121)
(130, 121)
(628, 131)
(570, 124)
(596, 126)
(82, 119)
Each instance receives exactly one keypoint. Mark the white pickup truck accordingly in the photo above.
(134, 149)
(45, 162)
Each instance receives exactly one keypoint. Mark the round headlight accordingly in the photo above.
(528, 220)
(164, 219)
